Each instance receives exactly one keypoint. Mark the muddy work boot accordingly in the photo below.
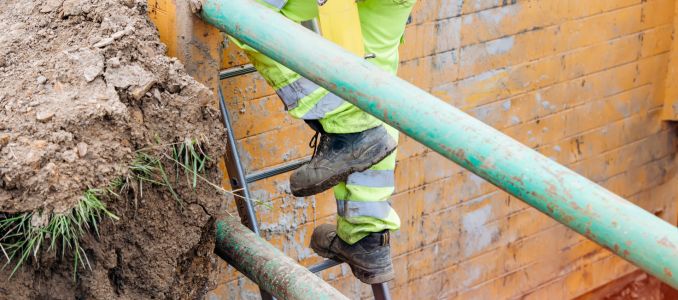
(339, 155)
(369, 258)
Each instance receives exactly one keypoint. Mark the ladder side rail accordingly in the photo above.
(236, 176)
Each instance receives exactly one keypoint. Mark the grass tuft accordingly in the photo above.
(190, 156)
(20, 238)
(148, 169)
(187, 156)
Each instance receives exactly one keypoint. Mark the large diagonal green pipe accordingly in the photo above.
(609, 220)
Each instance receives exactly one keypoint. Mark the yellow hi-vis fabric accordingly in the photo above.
(340, 23)
(363, 200)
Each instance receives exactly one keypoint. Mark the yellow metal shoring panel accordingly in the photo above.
(163, 14)
(196, 44)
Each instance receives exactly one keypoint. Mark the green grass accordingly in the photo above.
(19, 239)
(149, 169)
(190, 156)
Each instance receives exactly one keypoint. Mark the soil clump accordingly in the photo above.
(85, 87)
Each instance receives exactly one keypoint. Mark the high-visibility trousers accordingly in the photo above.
(363, 203)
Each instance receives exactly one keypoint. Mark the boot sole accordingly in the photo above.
(365, 275)
(334, 180)
(371, 277)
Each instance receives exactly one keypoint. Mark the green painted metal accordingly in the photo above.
(271, 269)
(609, 220)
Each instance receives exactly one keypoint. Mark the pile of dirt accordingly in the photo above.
(84, 86)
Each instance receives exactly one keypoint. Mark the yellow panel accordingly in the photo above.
(340, 23)
(163, 14)
(188, 38)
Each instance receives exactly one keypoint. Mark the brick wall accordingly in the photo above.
(581, 81)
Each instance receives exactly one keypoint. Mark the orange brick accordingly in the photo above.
(408, 147)
(445, 67)
(600, 56)
(427, 287)
(245, 87)
(508, 20)
(435, 10)
(507, 51)
(348, 285)
(596, 274)
(643, 177)
(232, 55)
(598, 28)
(438, 195)
(656, 41)
(416, 43)
(417, 72)
(609, 137)
(258, 116)
(409, 206)
(409, 173)
(629, 156)
(479, 5)
(583, 8)
(498, 84)
(275, 147)
(656, 13)
(597, 113)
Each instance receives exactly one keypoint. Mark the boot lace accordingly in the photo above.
(313, 143)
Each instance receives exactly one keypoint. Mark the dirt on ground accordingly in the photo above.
(643, 287)
(84, 86)
(636, 285)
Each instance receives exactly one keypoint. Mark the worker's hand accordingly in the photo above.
(195, 5)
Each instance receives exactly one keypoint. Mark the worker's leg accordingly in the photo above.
(363, 200)
(383, 25)
(305, 100)
(353, 141)
(302, 98)
(365, 214)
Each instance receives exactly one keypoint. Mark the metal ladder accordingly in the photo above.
(240, 181)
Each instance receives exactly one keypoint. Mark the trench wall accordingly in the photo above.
(581, 81)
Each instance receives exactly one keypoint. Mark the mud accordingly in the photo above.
(84, 84)
(643, 287)
(637, 285)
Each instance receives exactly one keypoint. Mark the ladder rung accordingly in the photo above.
(326, 264)
(237, 71)
(275, 170)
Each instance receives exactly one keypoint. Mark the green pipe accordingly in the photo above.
(271, 269)
(609, 220)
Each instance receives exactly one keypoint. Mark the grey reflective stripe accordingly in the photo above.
(327, 104)
(352, 209)
(372, 178)
(295, 91)
(277, 3)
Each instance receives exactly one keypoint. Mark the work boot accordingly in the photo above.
(369, 258)
(339, 155)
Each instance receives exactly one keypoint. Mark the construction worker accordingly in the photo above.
(355, 154)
